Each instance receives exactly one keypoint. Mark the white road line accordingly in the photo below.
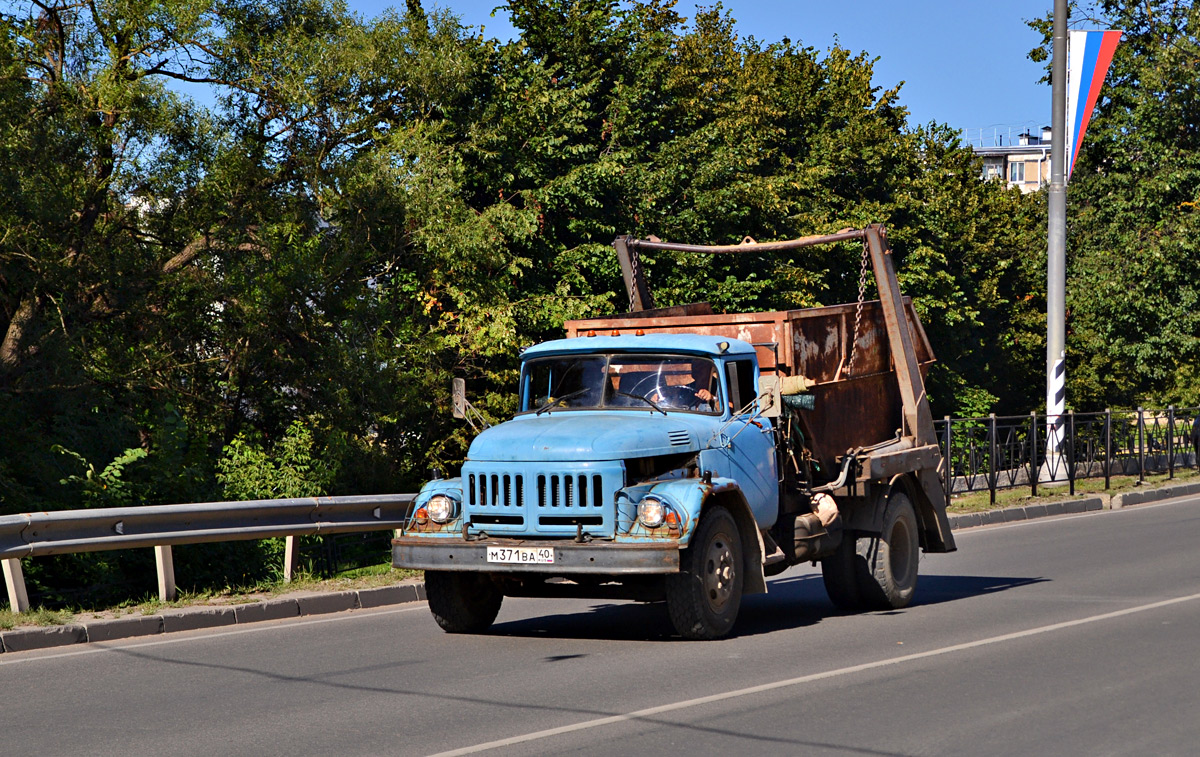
(199, 635)
(689, 703)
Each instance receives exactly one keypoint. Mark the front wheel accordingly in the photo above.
(462, 602)
(704, 597)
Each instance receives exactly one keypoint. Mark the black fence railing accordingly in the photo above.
(1007, 452)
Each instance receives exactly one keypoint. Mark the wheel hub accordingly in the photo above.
(719, 572)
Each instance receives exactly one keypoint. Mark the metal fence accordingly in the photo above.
(161, 526)
(1007, 452)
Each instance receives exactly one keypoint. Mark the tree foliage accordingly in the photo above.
(364, 208)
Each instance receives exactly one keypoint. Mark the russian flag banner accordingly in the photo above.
(1089, 55)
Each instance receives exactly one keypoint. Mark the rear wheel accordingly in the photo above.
(888, 578)
(462, 602)
(877, 572)
(703, 599)
(838, 573)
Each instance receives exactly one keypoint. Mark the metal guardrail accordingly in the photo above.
(161, 526)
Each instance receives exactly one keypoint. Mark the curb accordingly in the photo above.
(1072, 506)
(1153, 495)
(190, 619)
(1026, 512)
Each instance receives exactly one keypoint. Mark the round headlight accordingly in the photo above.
(440, 508)
(651, 512)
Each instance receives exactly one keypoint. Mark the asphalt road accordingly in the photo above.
(1075, 635)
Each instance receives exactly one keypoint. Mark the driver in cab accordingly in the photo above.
(700, 393)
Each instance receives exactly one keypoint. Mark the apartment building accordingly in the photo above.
(1025, 164)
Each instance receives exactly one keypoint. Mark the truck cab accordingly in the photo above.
(601, 478)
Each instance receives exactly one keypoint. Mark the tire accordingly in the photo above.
(876, 572)
(703, 599)
(838, 572)
(462, 602)
(888, 563)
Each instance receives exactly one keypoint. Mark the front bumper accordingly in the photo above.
(570, 558)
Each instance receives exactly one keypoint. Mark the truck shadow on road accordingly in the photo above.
(936, 590)
(792, 602)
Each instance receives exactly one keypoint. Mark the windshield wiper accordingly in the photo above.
(645, 399)
(555, 400)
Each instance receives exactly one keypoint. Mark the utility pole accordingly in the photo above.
(1056, 268)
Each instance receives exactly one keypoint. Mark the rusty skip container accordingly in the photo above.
(857, 402)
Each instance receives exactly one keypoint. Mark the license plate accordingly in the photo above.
(521, 555)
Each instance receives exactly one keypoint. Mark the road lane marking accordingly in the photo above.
(689, 703)
(197, 634)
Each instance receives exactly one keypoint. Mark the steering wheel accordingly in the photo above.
(646, 386)
(680, 396)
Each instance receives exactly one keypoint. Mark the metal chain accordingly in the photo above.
(862, 291)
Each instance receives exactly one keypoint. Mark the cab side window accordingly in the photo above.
(739, 375)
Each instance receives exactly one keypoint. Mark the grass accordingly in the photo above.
(1084, 487)
(38, 617)
(349, 580)
(360, 578)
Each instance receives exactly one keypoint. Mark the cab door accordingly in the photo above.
(746, 453)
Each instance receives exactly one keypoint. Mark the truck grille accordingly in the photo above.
(496, 490)
(539, 501)
(570, 490)
(553, 490)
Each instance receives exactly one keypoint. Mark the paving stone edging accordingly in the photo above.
(191, 618)
(1126, 499)
(1073, 506)
(1025, 512)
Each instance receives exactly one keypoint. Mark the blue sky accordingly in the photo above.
(962, 62)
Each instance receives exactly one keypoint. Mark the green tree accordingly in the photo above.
(1133, 289)
(690, 133)
(158, 257)
(295, 468)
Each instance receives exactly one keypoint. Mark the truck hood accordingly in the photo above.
(591, 435)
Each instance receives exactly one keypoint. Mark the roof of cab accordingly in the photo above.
(687, 343)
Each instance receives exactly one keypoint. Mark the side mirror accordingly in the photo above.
(458, 390)
(462, 408)
(773, 389)
(769, 400)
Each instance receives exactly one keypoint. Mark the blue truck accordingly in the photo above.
(682, 456)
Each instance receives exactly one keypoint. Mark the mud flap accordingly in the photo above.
(930, 501)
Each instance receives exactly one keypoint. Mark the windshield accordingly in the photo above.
(593, 382)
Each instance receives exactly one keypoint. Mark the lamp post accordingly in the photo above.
(1056, 266)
